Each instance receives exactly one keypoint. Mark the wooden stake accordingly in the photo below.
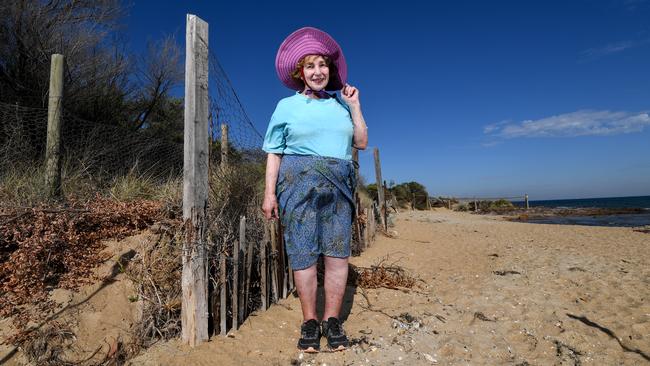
(235, 276)
(263, 268)
(380, 187)
(194, 305)
(526, 201)
(223, 280)
(274, 263)
(283, 260)
(385, 218)
(243, 291)
(249, 268)
(54, 109)
(224, 145)
(366, 228)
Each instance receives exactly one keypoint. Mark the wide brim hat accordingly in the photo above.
(310, 41)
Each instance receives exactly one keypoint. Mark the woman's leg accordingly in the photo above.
(306, 281)
(336, 278)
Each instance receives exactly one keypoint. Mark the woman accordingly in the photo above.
(310, 175)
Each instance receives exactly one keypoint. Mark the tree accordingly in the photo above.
(410, 193)
(31, 31)
(157, 73)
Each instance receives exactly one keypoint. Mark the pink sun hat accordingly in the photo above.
(310, 41)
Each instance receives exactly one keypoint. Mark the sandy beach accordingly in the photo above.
(489, 292)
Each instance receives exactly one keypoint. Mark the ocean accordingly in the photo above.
(608, 202)
(625, 220)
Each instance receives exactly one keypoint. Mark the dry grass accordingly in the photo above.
(384, 274)
(156, 273)
(24, 185)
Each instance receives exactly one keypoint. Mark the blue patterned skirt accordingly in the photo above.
(316, 201)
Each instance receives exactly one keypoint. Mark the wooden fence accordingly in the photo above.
(265, 264)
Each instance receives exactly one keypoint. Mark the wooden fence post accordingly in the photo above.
(243, 291)
(54, 109)
(366, 228)
(526, 201)
(283, 260)
(355, 158)
(223, 286)
(224, 145)
(249, 267)
(274, 263)
(386, 209)
(263, 269)
(380, 189)
(194, 310)
(237, 244)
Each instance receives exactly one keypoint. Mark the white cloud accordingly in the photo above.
(580, 123)
(611, 48)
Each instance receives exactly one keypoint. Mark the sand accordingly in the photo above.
(490, 292)
(97, 317)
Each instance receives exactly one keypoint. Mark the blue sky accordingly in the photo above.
(469, 98)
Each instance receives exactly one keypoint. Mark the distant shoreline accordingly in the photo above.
(617, 217)
(642, 202)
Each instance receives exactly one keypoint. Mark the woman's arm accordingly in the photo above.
(350, 96)
(360, 137)
(270, 205)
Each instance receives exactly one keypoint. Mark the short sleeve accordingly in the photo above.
(275, 140)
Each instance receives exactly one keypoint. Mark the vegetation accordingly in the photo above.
(405, 194)
(103, 82)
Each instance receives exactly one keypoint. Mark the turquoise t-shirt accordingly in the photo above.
(306, 126)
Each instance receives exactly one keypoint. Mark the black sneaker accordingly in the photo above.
(309, 337)
(336, 338)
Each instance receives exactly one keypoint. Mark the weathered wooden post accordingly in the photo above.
(224, 145)
(526, 201)
(235, 271)
(355, 158)
(385, 218)
(249, 268)
(380, 189)
(373, 222)
(263, 268)
(283, 260)
(194, 310)
(274, 262)
(366, 228)
(54, 109)
(223, 287)
(241, 292)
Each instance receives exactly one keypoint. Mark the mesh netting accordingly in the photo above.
(100, 149)
(225, 108)
(111, 149)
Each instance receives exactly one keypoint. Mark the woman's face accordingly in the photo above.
(316, 73)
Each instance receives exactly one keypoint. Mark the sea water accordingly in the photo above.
(628, 220)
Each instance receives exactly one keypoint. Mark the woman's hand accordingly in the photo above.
(270, 207)
(350, 95)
